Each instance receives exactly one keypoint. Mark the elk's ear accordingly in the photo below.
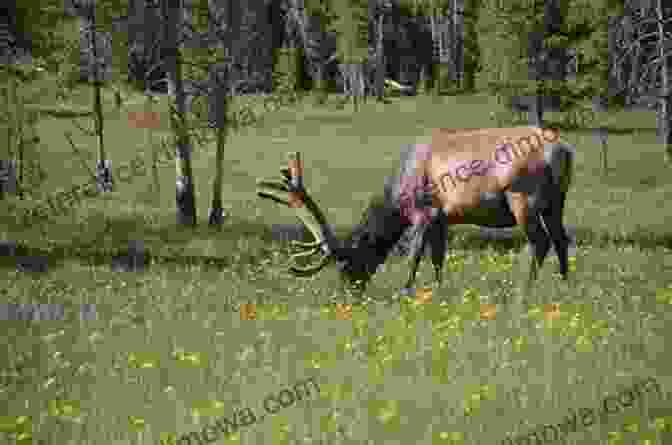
(378, 221)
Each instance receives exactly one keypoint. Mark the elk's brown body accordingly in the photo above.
(451, 149)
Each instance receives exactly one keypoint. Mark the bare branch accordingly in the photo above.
(90, 133)
(659, 59)
(634, 45)
(79, 156)
(640, 21)
(331, 58)
(650, 35)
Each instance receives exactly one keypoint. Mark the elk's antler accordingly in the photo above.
(289, 191)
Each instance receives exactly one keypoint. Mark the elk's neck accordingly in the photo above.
(380, 230)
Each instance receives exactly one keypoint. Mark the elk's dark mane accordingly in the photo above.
(378, 231)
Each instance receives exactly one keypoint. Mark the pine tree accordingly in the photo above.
(185, 188)
(472, 53)
(433, 9)
(587, 31)
(351, 28)
(39, 28)
(505, 29)
(39, 21)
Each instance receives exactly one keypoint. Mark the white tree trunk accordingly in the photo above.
(185, 197)
(665, 107)
(380, 59)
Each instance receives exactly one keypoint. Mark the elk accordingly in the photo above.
(490, 177)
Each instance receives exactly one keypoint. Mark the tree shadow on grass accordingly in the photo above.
(515, 239)
(115, 241)
(611, 129)
(132, 244)
(505, 240)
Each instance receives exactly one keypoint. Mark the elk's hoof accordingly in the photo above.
(407, 291)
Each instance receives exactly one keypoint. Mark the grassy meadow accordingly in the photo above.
(468, 363)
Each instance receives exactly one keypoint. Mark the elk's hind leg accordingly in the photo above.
(540, 244)
(552, 217)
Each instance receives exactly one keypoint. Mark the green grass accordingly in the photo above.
(396, 373)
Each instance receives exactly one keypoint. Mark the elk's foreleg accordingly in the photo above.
(437, 235)
(531, 223)
(416, 252)
(433, 234)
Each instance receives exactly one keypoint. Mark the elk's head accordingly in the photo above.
(371, 241)
(357, 257)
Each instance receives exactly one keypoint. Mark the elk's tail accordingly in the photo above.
(562, 165)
